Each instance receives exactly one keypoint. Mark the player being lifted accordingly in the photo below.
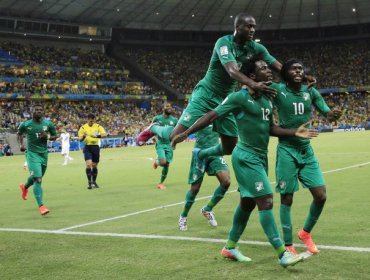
(221, 79)
(295, 160)
(38, 131)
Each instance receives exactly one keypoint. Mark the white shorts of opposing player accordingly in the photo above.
(65, 153)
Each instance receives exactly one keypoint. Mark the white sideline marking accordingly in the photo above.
(169, 237)
(179, 203)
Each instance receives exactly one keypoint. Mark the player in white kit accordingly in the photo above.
(64, 140)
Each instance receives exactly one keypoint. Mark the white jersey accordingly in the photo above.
(64, 139)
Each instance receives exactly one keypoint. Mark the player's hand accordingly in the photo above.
(178, 139)
(85, 133)
(311, 80)
(304, 132)
(334, 114)
(44, 135)
(263, 87)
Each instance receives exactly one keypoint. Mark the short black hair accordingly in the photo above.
(249, 66)
(286, 66)
(91, 116)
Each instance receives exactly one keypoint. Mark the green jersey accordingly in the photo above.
(217, 80)
(32, 130)
(294, 109)
(253, 119)
(165, 121)
(206, 138)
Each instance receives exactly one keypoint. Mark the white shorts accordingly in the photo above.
(65, 150)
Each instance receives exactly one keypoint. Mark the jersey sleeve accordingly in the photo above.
(319, 102)
(81, 132)
(155, 119)
(223, 49)
(52, 130)
(21, 128)
(230, 104)
(101, 130)
(264, 53)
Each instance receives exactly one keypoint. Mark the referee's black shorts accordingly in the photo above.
(92, 152)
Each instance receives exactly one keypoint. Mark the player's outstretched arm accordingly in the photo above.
(201, 123)
(301, 131)
(334, 114)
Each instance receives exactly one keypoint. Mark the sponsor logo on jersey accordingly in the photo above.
(224, 51)
(282, 184)
(251, 101)
(259, 186)
(187, 117)
(283, 94)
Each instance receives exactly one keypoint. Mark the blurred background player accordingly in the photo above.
(91, 133)
(38, 131)
(215, 166)
(295, 159)
(64, 140)
(163, 146)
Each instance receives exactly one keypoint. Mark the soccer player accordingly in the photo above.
(38, 131)
(295, 160)
(91, 133)
(215, 166)
(64, 140)
(163, 146)
(253, 114)
(221, 79)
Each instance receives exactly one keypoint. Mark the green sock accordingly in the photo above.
(286, 224)
(240, 221)
(212, 151)
(269, 226)
(163, 132)
(313, 216)
(29, 182)
(217, 196)
(37, 191)
(164, 173)
(189, 201)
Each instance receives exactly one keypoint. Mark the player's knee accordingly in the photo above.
(163, 162)
(320, 198)
(265, 203)
(37, 179)
(287, 199)
(225, 182)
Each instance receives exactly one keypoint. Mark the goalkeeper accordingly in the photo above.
(38, 131)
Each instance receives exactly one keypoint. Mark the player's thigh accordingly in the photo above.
(34, 162)
(251, 173)
(195, 174)
(310, 174)
(200, 103)
(87, 153)
(286, 171)
(95, 152)
(168, 153)
(226, 125)
(215, 165)
(161, 153)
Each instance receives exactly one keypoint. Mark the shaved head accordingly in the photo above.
(242, 19)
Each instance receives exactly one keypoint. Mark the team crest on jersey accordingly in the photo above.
(282, 184)
(224, 51)
(187, 117)
(171, 122)
(306, 96)
(44, 128)
(259, 186)
(195, 177)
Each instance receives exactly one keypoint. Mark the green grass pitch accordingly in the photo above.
(127, 229)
